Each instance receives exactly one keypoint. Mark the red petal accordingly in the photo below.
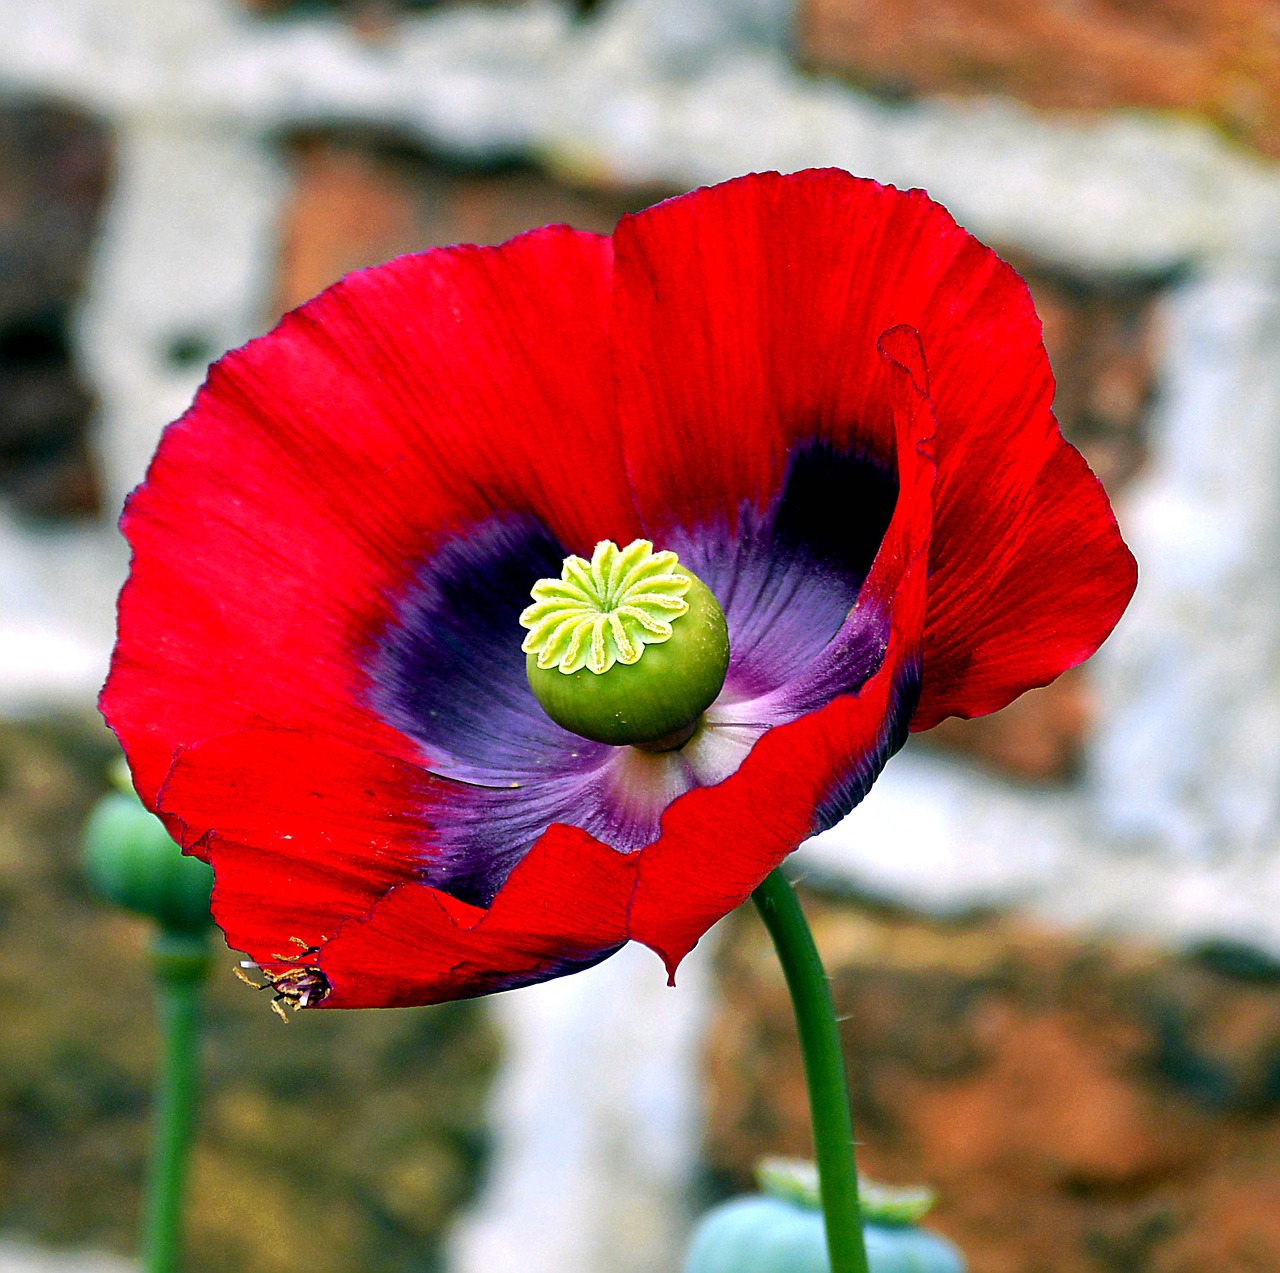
(1036, 580)
(564, 907)
(718, 843)
(302, 831)
(321, 462)
(753, 310)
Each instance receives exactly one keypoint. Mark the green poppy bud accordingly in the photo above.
(627, 648)
(130, 859)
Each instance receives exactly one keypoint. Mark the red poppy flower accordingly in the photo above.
(826, 397)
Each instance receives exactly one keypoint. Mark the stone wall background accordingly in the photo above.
(1054, 930)
(55, 163)
(1081, 1106)
(1219, 62)
(340, 1142)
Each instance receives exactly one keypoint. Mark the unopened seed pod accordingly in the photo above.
(131, 860)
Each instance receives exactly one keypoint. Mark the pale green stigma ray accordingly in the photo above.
(606, 610)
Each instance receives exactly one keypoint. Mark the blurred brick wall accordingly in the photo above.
(1220, 61)
(370, 16)
(1081, 1108)
(360, 197)
(55, 164)
(341, 1142)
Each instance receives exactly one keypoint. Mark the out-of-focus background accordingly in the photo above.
(1054, 933)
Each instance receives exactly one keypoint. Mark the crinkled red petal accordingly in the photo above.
(321, 463)
(565, 906)
(1038, 578)
(752, 311)
(309, 831)
(718, 843)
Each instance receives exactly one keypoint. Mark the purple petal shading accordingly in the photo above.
(450, 673)
(855, 782)
(552, 968)
(788, 577)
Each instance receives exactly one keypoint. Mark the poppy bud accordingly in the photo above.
(782, 1230)
(627, 648)
(130, 859)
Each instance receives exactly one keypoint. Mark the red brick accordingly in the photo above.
(1082, 1107)
(359, 199)
(1220, 61)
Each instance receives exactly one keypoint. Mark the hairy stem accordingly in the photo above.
(824, 1071)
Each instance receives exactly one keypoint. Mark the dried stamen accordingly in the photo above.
(298, 986)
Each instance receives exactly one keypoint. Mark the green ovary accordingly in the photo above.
(627, 648)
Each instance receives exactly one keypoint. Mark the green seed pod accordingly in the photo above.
(629, 648)
(130, 860)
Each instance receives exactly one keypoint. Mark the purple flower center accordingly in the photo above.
(448, 673)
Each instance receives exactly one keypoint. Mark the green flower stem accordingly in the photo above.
(181, 963)
(824, 1071)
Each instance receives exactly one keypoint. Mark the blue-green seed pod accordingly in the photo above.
(783, 1232)
(627, 648)
(130, 859)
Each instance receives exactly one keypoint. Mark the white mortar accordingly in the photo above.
(1174, 830)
